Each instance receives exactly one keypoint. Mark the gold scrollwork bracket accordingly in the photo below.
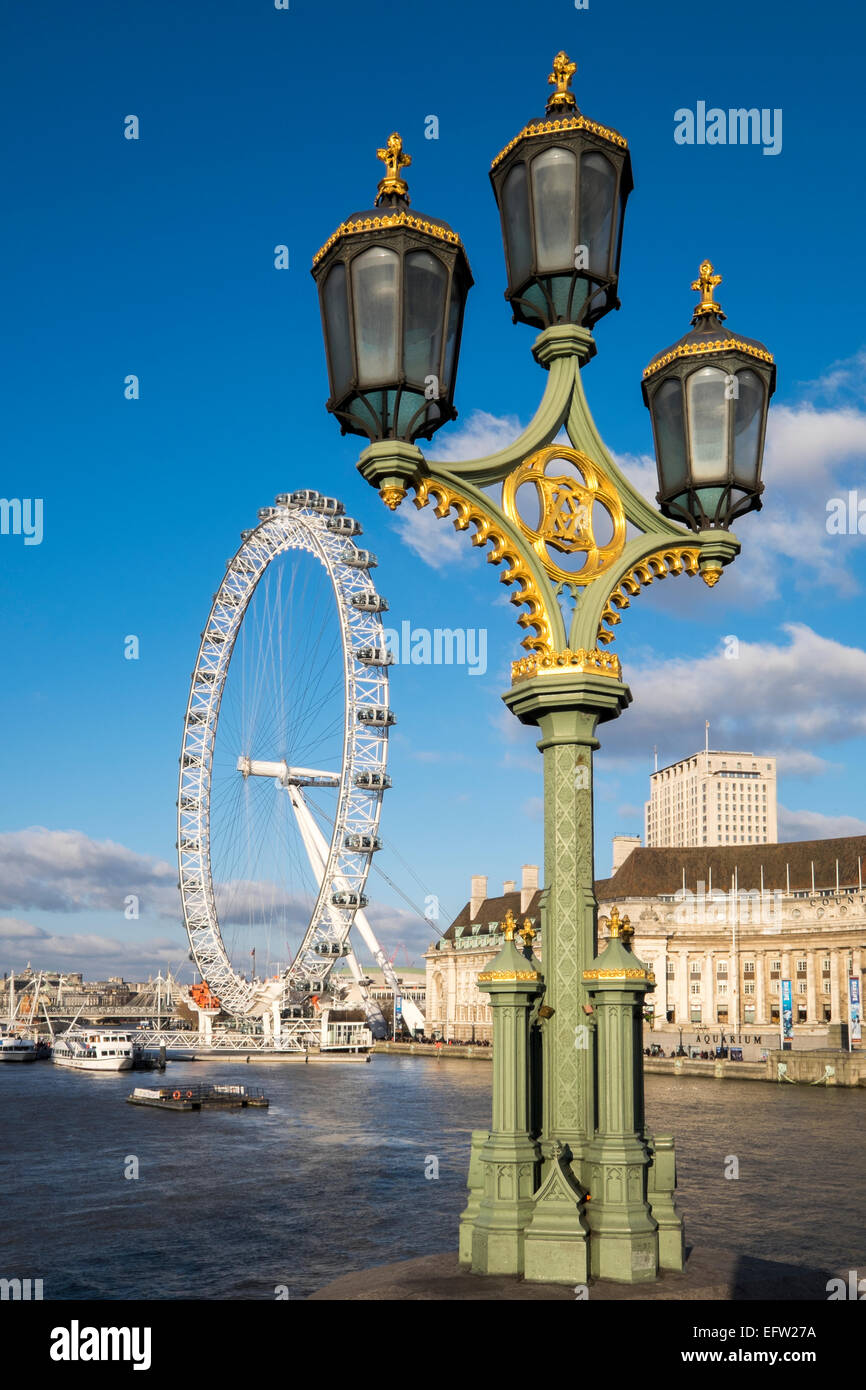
(489, 531)
(661, 563)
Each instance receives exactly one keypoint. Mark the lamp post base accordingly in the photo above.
(556, 1248)
(505, 1210)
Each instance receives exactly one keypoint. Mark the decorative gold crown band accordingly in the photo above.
(564, 123)
(619, 975)
(396, 219)
(578, 662)
(697, 349)
(508, 975)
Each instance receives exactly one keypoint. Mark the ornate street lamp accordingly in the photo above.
(392, 289)
(708, 397)
(589, 537)
(561, 186)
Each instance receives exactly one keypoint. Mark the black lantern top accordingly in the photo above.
(561, 186)
(708, 396)
(392, 290)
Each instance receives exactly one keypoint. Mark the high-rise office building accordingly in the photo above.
(713, 798)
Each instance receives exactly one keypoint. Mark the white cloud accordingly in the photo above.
(241, 901)
(803, 694)
(814, 825)
(433, 540)
(480, 435)
(640, 469)
(66, 871)
(845, 377)
(798, 762)
(805, 445)
(94, 955)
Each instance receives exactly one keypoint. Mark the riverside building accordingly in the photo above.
(457, 1010)
(721, 927)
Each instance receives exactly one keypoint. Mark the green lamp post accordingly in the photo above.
(560, 520)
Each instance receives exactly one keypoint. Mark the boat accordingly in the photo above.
(219, 1097)
(94, 1049)
(14, 1045)
(16, 1049)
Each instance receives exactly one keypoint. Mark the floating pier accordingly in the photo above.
(200, 1098)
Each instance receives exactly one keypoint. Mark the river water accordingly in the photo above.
(333, 1176)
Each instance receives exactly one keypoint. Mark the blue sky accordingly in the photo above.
(258, 127)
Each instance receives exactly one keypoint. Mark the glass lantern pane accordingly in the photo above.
(667, 416)
(515, 208)
(455, 313)
(337, 329)
(597, 198)
(554, 180)
(748, 413)
(426, 288)
(708, 425)
(375, 291)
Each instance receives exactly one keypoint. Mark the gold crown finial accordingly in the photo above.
(618, 926)
(509, 926)
(394, 158)
(706, 284)
(563, 71)
(527, 931)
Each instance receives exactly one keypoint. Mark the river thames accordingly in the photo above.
(332, 1177)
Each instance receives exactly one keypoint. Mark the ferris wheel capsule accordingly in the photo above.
(328, 506)
(361, 559)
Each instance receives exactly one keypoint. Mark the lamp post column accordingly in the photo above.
(567, 708)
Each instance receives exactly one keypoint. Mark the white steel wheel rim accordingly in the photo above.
(365, 750)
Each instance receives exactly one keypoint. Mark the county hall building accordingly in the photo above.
(721, 926)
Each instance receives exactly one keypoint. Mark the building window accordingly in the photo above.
(722, 987)
(774, 986)
(749, 987)
(748, 967)
(801, 967)
(669, 970)
(801, 1013)
(695, 968)
(696, 989)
